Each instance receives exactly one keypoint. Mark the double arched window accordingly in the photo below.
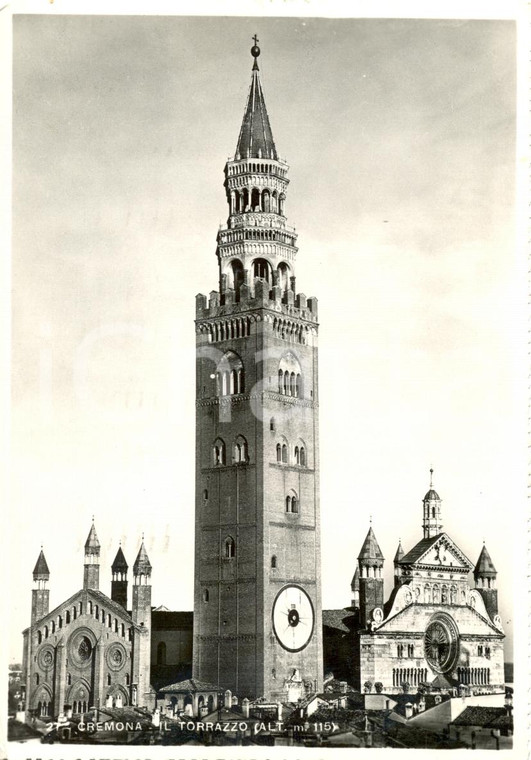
(241, 453)
(292, 503)
(282, 452)
(300, 455)
(229, 375)
(219, 452)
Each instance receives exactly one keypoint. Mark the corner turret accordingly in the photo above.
(119, 579)
(370, 561)
(485, 581)
(91, 570)
(40, 595)
(396, 562)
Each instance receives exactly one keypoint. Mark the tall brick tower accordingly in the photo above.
(257, 603)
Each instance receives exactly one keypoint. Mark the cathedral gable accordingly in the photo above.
(439, 551)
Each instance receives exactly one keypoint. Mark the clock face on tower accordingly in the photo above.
(441, 643)
(293, 618)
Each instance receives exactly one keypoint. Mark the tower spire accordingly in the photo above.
(256, 138)
(431, 515)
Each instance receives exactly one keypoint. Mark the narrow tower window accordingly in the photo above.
(273, 561)
(230, 548)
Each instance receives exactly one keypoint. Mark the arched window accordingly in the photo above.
(236, 275)
(283, 276)
(289, 376)
(127, 679)
(230, 378)
(292, 504)
(205, 494)
(302, 456)
(400, 650)
(69, 679)
(279, 452)
(39, 637)
(219, 452)
(241, 453)
(45, 631)
(161, 653)
(230, 548)
(273, 561)
(272, 423)
(436, 594)
(284, 454)
(37, 679)
(262, 269)
(297, 455)
(206, 595)
(108, 679)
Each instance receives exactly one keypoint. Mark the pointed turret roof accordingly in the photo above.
(92, 544)
(41, 567)
(484, 565)
(142, 564)
(432, 494)
(119, 561)
(355, 582)
(256, 138)
(370, 548)
(399, 552)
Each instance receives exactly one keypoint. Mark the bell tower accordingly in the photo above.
(431, 518)
(257, 599)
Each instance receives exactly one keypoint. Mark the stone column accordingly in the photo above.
(99, 667)
(60, 679)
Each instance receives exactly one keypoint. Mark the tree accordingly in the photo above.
(378, 687)
(367, 686)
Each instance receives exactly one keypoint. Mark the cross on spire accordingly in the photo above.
(255, 38)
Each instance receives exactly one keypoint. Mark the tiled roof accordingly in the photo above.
(479, 716)
(485, 566)
(399, 553)
(370, 548)
(119, 561)
(191, 684)
(142, 563)
(41, 567)
(419, 549)
(92, 544)
(338, 619)
(256, 138)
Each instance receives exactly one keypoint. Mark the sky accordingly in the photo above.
(400, 136)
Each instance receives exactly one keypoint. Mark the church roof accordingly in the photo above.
(41, 566)
(92, 544)
(432, 495)
(355, 582)
(120, 562)
(485, 566)
(142, 563)
(370, 548)
(419, 549)
(190, 684)
(256, 138)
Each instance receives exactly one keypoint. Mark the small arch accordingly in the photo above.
(206, 595)
(241, 454)
(262, 269)
(229, 548)
(205, 494)
(284, 454)
(273, 562)
(109, 680)
(161, 653)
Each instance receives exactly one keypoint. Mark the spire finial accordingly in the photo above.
(142, 535)
(431, 477)
(370, 519)
(255, 52)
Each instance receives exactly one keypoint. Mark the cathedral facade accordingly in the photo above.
(95, 651)
(257, 601)
(435, 630)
